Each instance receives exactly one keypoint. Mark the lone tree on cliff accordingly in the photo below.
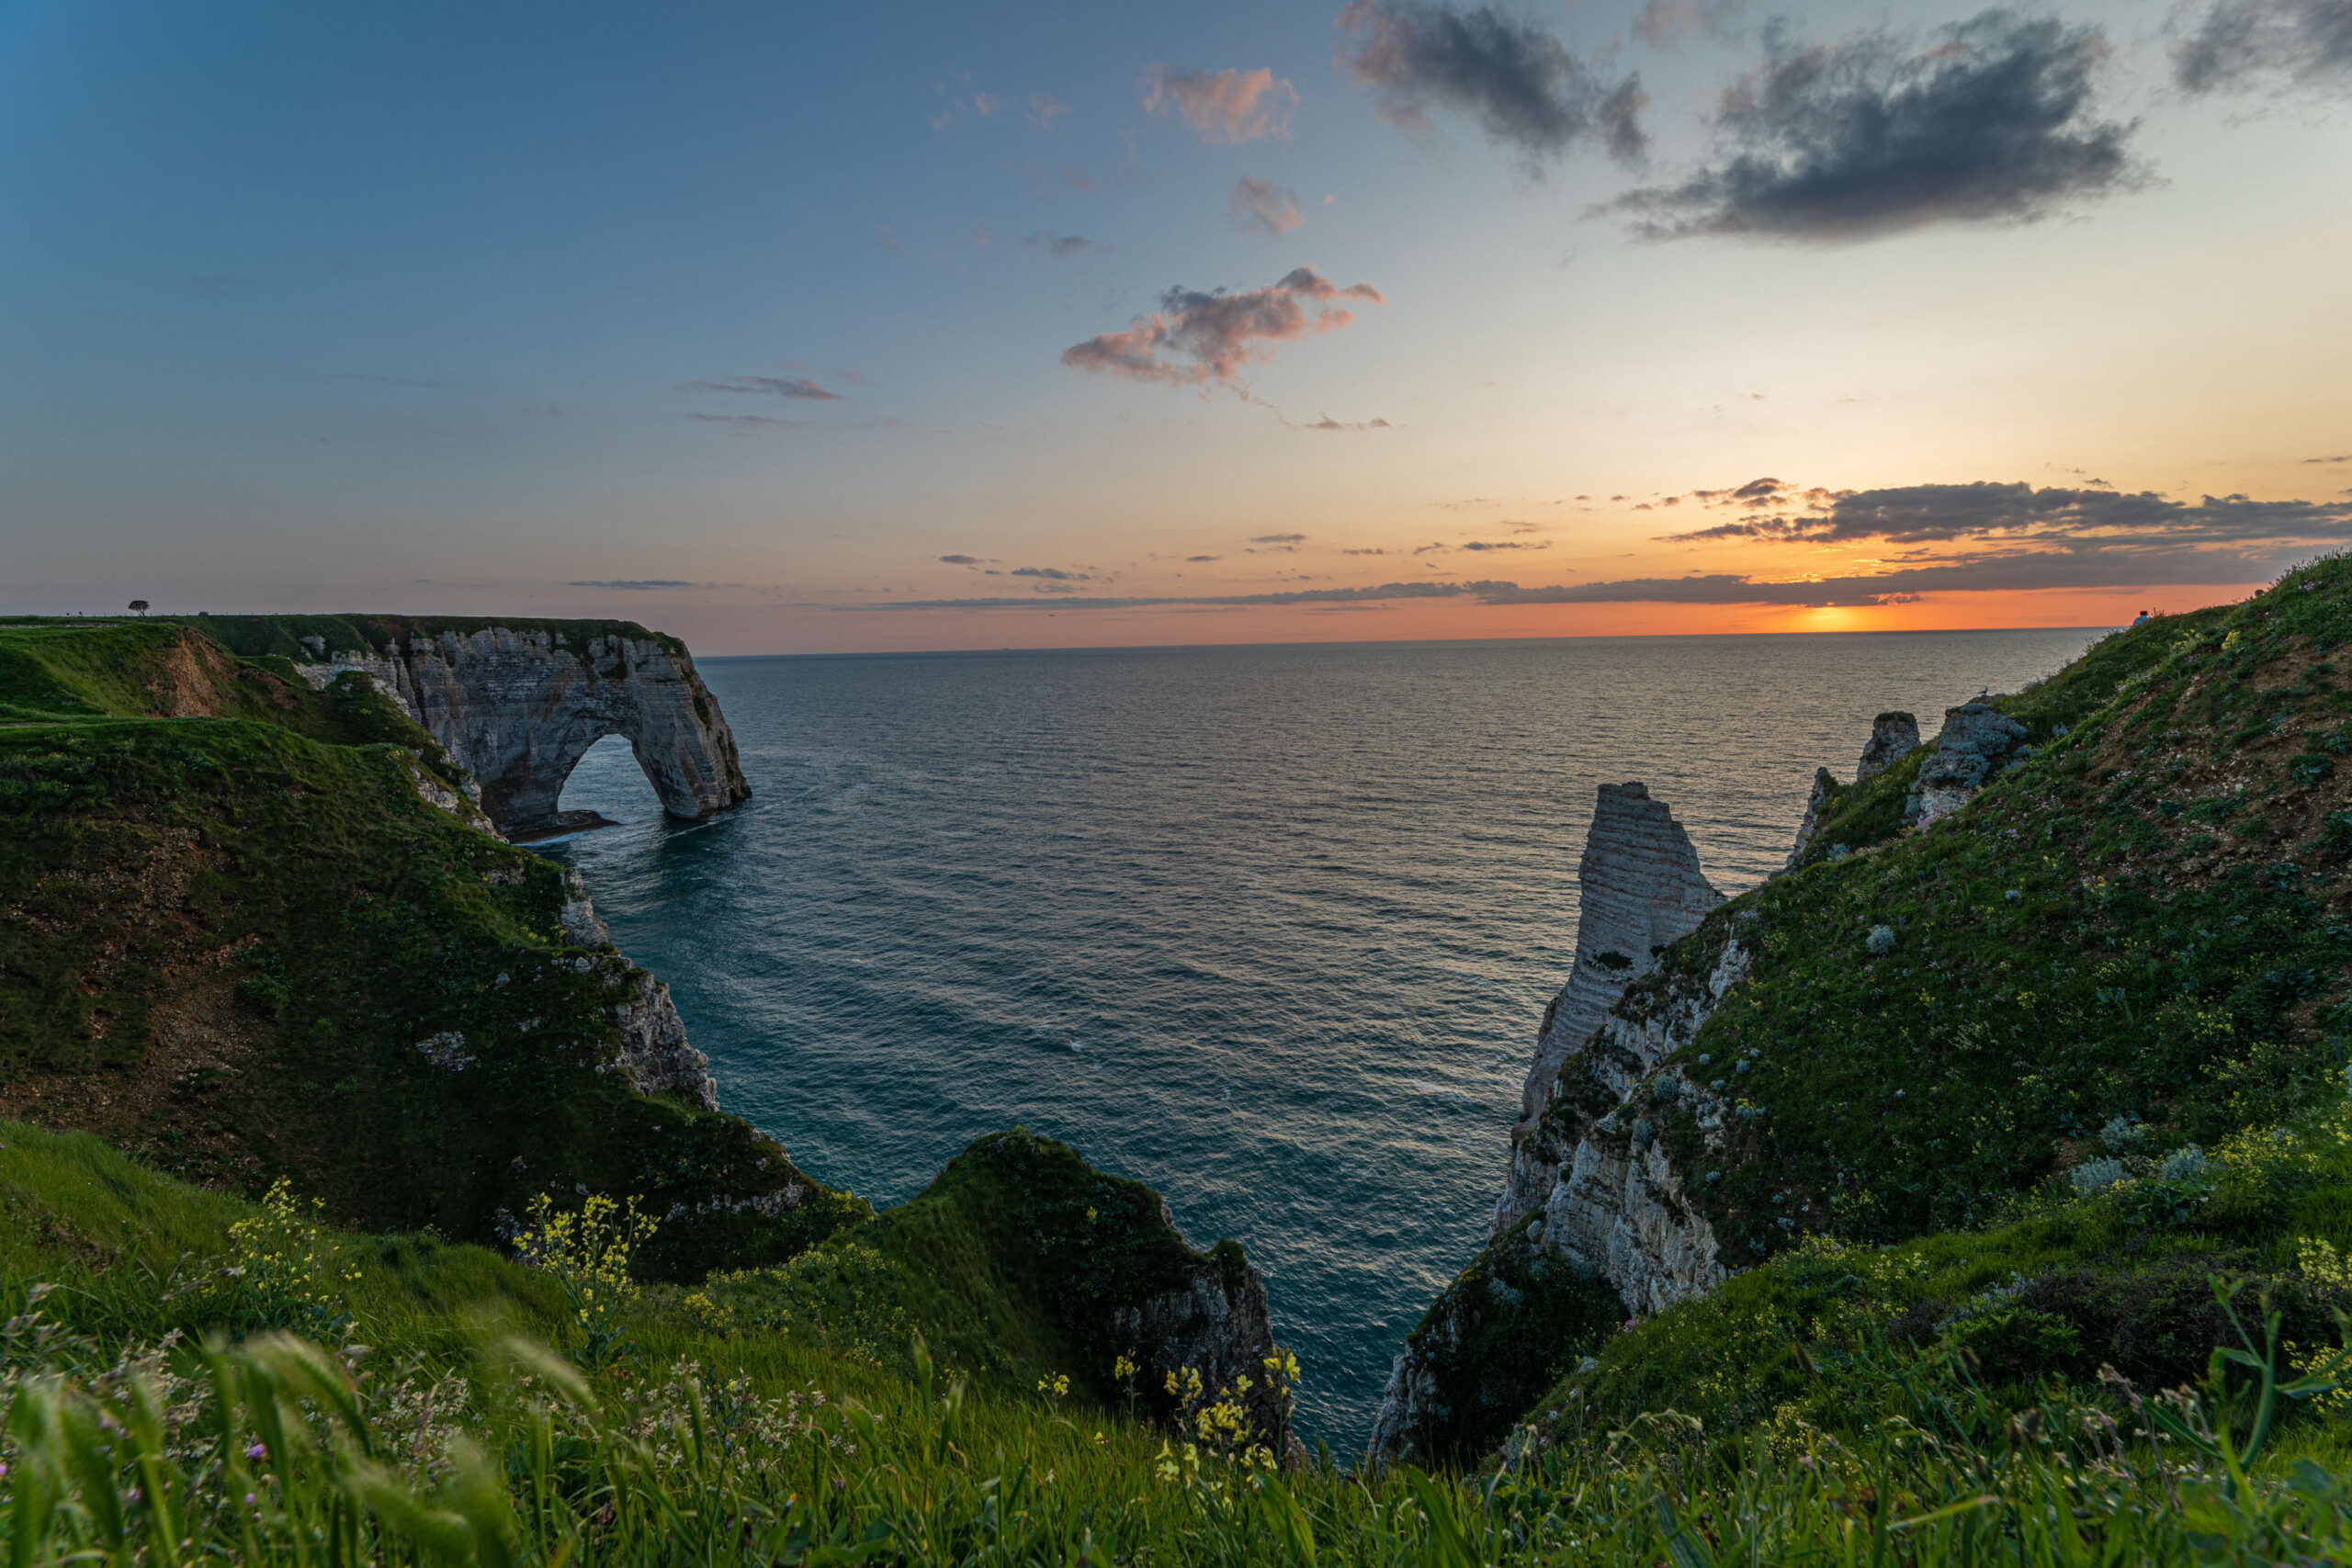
(139, 606)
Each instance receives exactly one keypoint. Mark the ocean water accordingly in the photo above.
(1268, 928)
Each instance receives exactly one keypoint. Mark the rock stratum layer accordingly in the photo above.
(519, 702)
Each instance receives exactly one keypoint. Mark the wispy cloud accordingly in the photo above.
(1261, 206)
(1055, 245)
(747, 422)
(765, 386)
(1521, 83)
(1876, 133)
(1327, 422)
(1229, 106)
(1662, 23)
(1046, 110)
(1196, 338)
(634, 582)
(2237, 45)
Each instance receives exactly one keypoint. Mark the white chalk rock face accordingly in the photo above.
(1640, 888)
(519, 709)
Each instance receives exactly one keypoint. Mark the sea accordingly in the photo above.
(1270, 927)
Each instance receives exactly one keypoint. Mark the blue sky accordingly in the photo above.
(465, 308)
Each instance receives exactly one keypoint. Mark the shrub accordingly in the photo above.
(589, 1253)
(1882, 940)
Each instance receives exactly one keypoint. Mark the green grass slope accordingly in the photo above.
(228, 946)
(2014, 1084)
(425, 1428)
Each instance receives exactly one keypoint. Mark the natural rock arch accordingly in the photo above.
(519, 702)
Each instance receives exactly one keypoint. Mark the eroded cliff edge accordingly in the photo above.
(519, 702)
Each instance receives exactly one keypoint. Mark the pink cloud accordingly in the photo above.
(1223, 106)
(1261, 206)
(1195, 339)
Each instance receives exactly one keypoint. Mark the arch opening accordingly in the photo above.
(609, 782)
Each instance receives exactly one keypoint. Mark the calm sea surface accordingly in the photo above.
(1268, 928)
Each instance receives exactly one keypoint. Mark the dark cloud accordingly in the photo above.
(2346, 458)
(1504, 545)
(1196, 560)
(1053, 574)
(1327, 422)
(2241, 44)
(1874, 134)
(1984, 512)
(1055, 245)
(765, 386)
(1261, 206)
(1278, 539)
(633, 582)
(1521, 83)
(961, 560)
(1219, 333)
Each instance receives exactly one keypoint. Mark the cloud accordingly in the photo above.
(888, 238)
(1875, 134)
(633, 582)
(1061, 246)
(1504, 545)
(961, 560)
(1219, 334)
(747, 422)
(1327, 422)
(1662, 23)
(2346, 458)
(1521, 83)
(1261, 206)
(1229, 106)
(2239, 44)
(1045, 110)
(1278, 539)
(2016, 513)
(765, 386)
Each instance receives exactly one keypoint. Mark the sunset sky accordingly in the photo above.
(860, 327)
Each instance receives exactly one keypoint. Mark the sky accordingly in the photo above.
(801, 329)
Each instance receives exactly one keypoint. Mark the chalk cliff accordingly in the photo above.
(1640, 888)
(519, 702)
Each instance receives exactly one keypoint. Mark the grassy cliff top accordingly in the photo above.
(253, 636)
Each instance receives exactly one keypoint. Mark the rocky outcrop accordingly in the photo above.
(654, 1045)
(1894, 736)
(1978, 741)
(1594, 1199)
(519, 702)
(1639, 889)
(1218, 1324)
(1824, 790)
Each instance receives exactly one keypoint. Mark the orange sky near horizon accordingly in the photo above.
(717, 631)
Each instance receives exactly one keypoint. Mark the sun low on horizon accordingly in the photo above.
(800, 330)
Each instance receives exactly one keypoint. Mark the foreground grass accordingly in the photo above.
(158, 1411)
